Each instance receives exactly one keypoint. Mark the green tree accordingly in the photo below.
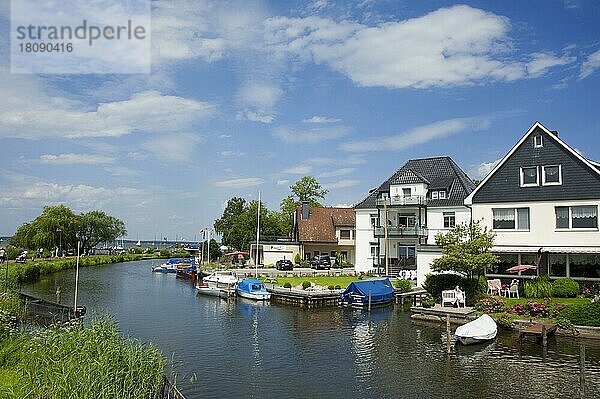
(95, 227)
(225, 225)
(55, 226)
(466, 251)
(306, 189)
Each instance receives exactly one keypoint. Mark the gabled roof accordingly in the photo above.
(321, 223)
(593, 166)
(437, 172)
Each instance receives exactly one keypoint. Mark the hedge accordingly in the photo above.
(587, 314)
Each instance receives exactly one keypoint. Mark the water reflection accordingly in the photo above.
(240, 348)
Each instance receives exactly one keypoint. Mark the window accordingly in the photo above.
(584, 265)
(449, 220)
(406, 192)
(529, 176)
(558, 265)
(374, 220)
(406, 220)
(345, 234)
(576, 217)
(511, 218)
(551, 175)
(434, 195)
(442, 194)
(538, 141)
(374, 251)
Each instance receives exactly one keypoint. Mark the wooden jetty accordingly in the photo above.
(305, 298)
(414, 296)
(538, 330)
(439, 314)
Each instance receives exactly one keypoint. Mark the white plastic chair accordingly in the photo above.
(494, 286)
(513, 290)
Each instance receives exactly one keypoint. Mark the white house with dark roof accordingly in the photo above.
(542, 202)
(422, 198)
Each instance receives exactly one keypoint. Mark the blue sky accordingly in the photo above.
(250, 95)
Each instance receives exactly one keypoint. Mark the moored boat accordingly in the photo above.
(482, 329)
(218, 284)
(252, 288)
(377, 292)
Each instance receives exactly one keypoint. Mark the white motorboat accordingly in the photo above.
(218, 284)
(252, 288)
(481, 329)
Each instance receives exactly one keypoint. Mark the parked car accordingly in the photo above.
(284, 264)
(320, 262)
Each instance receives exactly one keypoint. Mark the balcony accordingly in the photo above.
(398, 200)
(397, 232)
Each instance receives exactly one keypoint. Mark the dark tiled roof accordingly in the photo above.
(438, 173)
(408, 176)
(321, 223)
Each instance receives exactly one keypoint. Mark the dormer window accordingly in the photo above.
(442, 194)
(538, 141)
(529, 176)
(434, 195)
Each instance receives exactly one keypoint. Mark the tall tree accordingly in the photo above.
(306, 189)
(56, 226)
(226, 223)
(95, 227)
(466, 251)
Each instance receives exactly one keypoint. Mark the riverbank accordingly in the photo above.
(71, 360)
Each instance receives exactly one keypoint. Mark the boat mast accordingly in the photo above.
(257, 237)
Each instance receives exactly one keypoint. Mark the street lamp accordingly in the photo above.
(59, 231)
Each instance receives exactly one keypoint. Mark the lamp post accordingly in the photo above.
(59, 231)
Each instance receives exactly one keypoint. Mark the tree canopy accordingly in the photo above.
(59, 226)
(466, 251)
(306, 189)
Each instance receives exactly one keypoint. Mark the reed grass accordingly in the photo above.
(70, 361)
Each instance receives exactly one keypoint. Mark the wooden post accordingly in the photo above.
(544, 336)
(369, 301)
(448, 333)
(582, 370)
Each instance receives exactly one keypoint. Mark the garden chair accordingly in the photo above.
(494, 286)
(513, 290)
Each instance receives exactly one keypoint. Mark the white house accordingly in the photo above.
(542, 202)
(424, 197)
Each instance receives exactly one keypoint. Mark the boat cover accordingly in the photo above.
(251, 285)
(175, 261)
(381, 290)
(482, 328)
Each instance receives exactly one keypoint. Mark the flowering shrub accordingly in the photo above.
(590, 291)
(490, 304)
(545, 309)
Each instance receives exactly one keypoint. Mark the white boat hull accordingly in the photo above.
(481, 329)
(257, 296)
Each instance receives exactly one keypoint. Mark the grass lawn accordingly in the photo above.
(567, 301)
(324, 281)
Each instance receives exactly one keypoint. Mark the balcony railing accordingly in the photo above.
(398, 200)
(396, 231)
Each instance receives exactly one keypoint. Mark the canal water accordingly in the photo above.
(241, 349)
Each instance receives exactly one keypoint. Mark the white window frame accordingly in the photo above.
(374, 218)
(535, 141)
(442, 194)
(537, 176)
(544, 183)
(349, 234)
(405, 191)
(373, 252)
(516, 219)
(570, 207)
(434, 195)
(448, 215)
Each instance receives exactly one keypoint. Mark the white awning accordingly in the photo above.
(514, 249)
(572, 250)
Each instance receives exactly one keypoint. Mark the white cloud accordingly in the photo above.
(341, 184)
(66, 159)
(137, 156)
(309, 136)
(230, 153)
(28, 111)
(459, 45)
(258, 99)
(481, 170)
(336, 173)
(239, 183)
(283, 182)
(298, 170)
(541, 62)
(418, 135)
(176, 148)
(590, 65)
(320, 119)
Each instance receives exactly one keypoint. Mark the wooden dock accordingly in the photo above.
(539, 330)
(439, 314)
(305, 298)
(414, 296)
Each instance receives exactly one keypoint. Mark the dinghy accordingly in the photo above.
(479, 330)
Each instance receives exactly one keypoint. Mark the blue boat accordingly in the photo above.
(252, 288)
(380, 292)
(174, 264)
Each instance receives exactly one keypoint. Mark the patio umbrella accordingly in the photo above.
(521, 268)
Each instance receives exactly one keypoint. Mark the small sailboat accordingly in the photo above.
(482, 329)
(252, 288)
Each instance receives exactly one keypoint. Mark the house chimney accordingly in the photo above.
(305, 210)
(554, 132)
